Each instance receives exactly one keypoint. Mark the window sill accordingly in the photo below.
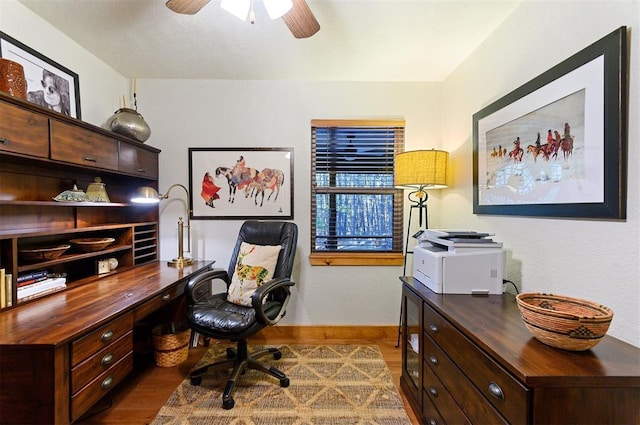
(356, 259)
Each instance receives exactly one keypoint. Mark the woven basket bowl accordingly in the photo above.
(564, 322)
(170, 349)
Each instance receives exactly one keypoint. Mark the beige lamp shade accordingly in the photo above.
(421, 169)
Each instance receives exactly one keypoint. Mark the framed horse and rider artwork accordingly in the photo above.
(241, 183)
(557, 146)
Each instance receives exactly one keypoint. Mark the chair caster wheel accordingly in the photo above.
(284, 382)
(228, 404)
(196, 380)
(277, 355)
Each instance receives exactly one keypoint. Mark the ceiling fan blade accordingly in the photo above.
(300, 20)
(186, 7)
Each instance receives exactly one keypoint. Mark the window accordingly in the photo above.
(356, 212)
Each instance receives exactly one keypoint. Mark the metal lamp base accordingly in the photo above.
(180, 262)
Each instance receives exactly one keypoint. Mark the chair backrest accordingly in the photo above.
(283, 233)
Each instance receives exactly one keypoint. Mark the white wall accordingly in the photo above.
(210, 113)
(597, 260)
(101, 88)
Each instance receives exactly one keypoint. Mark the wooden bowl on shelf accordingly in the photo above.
(91, 244)
(564, 322)
(43, 254)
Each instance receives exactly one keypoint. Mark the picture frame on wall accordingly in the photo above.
(557, 146)
(241, 183)
(49, 84)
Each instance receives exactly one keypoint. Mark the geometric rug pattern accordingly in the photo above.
(329, 385)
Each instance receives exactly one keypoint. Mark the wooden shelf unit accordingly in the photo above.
(42, 154)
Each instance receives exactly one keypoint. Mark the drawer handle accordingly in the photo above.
(89, 159)
(433, 360)
(433, 391)
(106, 336)
(142, 170)
(4, 141)
(432, 421)
(107, 359)
(166, 297)
(433, 328)
(496, 391)
(107, 383)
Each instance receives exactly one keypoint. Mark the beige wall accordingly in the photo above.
(593, 259)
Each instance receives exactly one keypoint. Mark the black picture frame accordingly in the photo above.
(580, 170)
(241, 183)
(39, 71)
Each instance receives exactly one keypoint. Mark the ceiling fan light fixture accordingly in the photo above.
(277, 8)
(238, 8)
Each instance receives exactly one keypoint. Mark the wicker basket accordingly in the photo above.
(564, 322)
(170, 349)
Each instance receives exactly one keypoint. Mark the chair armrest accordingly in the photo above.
(263, 291)
(199, 287)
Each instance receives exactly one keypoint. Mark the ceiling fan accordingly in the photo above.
(299, 19)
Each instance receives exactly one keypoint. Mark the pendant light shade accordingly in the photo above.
(238, 8)
(242, 8)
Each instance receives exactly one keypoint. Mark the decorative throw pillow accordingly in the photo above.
(255, 265)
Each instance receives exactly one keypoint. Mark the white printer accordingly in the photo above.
(459, 262)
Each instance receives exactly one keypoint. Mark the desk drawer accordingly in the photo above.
(429, 412)
(471, 401)
(102, 337)
(23, 131)
(158, 301)
(498, 386)
(70, 143)
(86, 371)
(87, 397)
(440, 397)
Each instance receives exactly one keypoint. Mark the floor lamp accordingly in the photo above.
(418, 170)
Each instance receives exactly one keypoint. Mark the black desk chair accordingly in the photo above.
(241, 311)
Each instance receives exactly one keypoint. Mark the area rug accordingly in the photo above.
(329, 385)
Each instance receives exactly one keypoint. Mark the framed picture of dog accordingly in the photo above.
(557, 146)
(241, 183)
(49, 84)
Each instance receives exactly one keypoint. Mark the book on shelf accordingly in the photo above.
(34, 275)
(42, 287)
(8, 282)
(3, 290)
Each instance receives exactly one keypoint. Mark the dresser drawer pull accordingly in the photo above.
(107, 383)
(4, 141)
(107, 359)
(432, 421)
(89, 159)
(166, 297)
(433, 391)
(142, 170)
(433, 360)
(496, 391)
(107, 336)
(433, 328)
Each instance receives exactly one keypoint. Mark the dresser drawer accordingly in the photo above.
(430, 413)
(77, 145)
(470, 400)
(23, 132)
(159, 301)
(97, 364)
(138, 161)
(87, 397)
(440, 397)
(102, 337)
(498, 386)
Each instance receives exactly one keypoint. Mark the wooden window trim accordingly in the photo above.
(356, 259)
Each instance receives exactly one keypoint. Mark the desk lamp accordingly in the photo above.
(148, 195)
(420, 170)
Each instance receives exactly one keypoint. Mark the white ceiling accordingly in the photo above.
(359, 40)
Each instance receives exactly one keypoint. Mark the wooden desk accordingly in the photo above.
(61, 354)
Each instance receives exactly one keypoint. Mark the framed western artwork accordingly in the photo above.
(557, 146)
(241, 183)
(49, 84)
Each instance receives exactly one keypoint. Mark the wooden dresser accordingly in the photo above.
(470, 359)
(62, 353)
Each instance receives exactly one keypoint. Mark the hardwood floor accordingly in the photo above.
(137, 400)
